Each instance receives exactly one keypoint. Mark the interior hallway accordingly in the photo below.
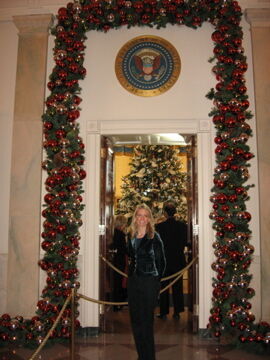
(174, 341)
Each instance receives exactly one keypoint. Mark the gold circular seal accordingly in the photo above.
(147, 65)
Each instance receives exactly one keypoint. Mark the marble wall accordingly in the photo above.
(3, 281)
(25, 190)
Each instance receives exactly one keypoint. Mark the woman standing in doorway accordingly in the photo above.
(146, 267)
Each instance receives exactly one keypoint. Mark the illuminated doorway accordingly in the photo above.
(116, 153)
(94, 227)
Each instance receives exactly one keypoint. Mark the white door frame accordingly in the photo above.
(89, 258)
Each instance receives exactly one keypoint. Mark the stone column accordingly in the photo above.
(25, 195)
(259, 20)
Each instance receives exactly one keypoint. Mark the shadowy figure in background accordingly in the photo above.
(146, 267)
(174, 236)
(119, 260)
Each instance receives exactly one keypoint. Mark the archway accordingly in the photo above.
(65, 150)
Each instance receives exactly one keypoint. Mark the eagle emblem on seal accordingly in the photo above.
(148, 65)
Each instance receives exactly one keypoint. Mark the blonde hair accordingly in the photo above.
(120, 221)
(150, 229)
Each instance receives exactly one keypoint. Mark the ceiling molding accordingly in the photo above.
(8, 8)
(258, 17)
(7, 14)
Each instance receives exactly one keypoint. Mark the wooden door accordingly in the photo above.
(106, 222)
(193, 233)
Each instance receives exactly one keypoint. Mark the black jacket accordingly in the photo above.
(174, 236)
(119, 245)
(148, 258)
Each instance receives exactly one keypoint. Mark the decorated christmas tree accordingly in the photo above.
(155, 176)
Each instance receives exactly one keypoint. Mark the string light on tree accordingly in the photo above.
(155, 176)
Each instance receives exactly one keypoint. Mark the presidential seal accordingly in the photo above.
(147, 65)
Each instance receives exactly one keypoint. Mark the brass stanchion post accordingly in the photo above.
(72, 339)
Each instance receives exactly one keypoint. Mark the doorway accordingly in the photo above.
(116, 154)
(93, 228)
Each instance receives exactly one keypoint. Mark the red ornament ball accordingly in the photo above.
(242, 338)
(82, 174)
(6, 317)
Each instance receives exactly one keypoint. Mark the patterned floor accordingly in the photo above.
(174, 341)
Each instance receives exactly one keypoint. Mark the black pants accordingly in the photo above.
(118, 290)
(177, 295)
(142, 299)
